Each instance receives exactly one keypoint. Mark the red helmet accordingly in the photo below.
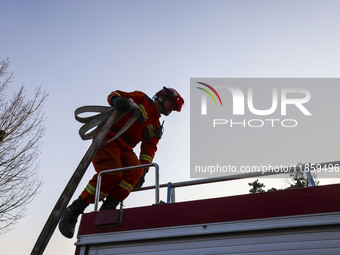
(170, 92)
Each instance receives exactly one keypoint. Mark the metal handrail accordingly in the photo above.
(171, 186)
(124, 169)
(299, 167)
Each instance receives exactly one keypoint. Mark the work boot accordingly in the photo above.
(109, 204)
(68, 221)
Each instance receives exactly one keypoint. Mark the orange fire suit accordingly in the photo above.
(119, 153)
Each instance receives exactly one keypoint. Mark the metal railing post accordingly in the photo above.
(173, 200)
(170, 193)
(157, 199)
(168, 200)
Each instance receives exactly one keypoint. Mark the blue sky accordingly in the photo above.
(79, 51)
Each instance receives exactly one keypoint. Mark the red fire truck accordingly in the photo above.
(294, 221)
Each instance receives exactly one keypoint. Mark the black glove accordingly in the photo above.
(141, 180)
(122, 104)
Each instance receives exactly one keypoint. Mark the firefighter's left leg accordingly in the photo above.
(107, 157)
(69, 218)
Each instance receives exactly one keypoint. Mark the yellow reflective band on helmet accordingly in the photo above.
(146, 158)
(126, 186)
(92, 191)
(144, 113)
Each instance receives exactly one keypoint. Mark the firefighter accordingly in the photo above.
(115, 187)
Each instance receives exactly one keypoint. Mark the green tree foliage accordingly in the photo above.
(299, 180)
(256, 187)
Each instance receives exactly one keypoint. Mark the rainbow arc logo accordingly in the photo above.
(204, 100)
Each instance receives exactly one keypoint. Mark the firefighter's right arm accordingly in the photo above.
(121, 103)
(120, 98)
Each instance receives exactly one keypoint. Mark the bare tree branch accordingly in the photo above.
(21, 130)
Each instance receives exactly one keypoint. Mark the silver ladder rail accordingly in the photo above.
(129, 168)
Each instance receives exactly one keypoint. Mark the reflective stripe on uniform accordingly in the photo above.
(126, 186)
(92, 191)
(144, 113)
(146, 158)
(151, 130)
